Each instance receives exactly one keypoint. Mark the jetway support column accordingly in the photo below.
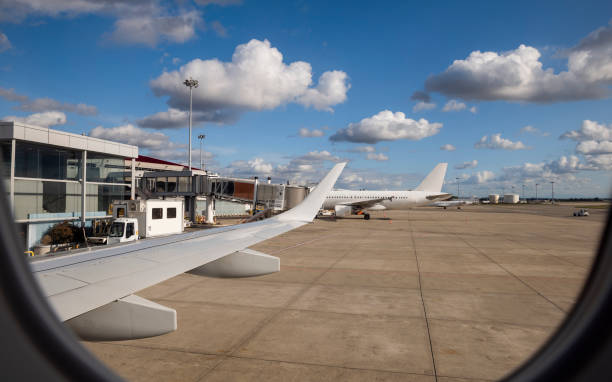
(210, 210)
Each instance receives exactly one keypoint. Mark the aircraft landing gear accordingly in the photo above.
(366, 216)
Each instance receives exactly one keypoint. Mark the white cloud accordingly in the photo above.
(563, 168)
(46, 119)
(422, 105)
(594, 147)
(469, 164)
(306, 133)
(594, 142)
(45, 104)
(176, 61)
(473, 110)
(255, 79)
(479, 177)
(377, 156)
(448, 147)
(590, 130)
(387, 126)
(136, 21)
(322, 155)
(155, 144)
(454, 105)
(497, 142)
(150, 29)
(533, 130)
(131, 135)
(5, 43)
(518, 75)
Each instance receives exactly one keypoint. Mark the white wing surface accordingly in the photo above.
(93, 290)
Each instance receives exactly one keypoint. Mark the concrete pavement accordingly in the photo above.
(428, 295)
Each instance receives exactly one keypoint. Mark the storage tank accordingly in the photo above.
(494, 198)
(294, 196)
(511, 198)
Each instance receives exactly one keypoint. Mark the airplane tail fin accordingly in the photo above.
(433, 182)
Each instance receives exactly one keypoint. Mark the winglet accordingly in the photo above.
(434, 181)
(308, 209)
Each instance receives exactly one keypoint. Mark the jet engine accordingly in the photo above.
(342, 211)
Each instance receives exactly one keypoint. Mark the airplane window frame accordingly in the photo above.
(580, 349)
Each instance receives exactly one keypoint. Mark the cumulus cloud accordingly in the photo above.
(454, 105)
(45, 104)
(255, 79)
(496, 142)
(594, 141)
(448, 147)
(590, 131)
(465, 165)
(422, 105)
(306, 133)
(387, 126)
(479, 177)
(473, 110)
(377, 156)
(563, 168)
(5, 43)
(46, 119)
(519, 75)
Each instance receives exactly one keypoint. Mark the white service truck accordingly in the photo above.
(138, 219)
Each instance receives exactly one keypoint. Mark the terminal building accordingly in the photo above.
(51, 177)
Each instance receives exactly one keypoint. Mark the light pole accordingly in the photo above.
(537, 184)
(457, 179)
(201, 137)
(190, 83)
(552, 190)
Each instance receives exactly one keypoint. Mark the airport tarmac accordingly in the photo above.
(427, 294)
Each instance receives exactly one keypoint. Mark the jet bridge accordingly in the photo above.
(192, 184)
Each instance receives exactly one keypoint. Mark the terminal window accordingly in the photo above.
(157, 213)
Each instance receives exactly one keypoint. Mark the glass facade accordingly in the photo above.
(39, 199)
(100, 197)
(107, 169)
(45, 162)
(5, 158)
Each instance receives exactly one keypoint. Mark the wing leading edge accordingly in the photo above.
(93, 290)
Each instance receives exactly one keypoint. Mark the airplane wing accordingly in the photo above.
(365, 203)
(93, 290)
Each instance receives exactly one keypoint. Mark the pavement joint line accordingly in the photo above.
(496, 322)
(416, 259)
(328, 366)
(298, 244)
(513, 275)
(549, 254)
(276, 311)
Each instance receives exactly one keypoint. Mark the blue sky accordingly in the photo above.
(113, 70)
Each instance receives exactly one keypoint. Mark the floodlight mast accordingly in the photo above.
(191, 83)
(201, 137)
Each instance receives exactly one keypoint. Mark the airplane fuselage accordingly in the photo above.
(394, 200)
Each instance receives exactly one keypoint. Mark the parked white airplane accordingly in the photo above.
(347, 202)
(93, 291)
